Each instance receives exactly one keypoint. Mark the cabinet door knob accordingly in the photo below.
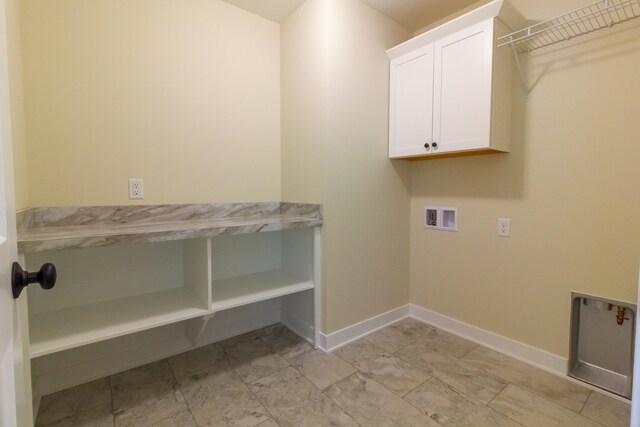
(434, 145)
(426, 145)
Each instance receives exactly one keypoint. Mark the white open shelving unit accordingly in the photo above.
(64, 329)
(252, 288)
(104, 293)
(109, 292)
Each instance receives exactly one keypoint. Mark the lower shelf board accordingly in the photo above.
(60, 330)
(68, 328)
(237, 291)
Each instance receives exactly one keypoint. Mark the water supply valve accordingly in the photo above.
(620, 316)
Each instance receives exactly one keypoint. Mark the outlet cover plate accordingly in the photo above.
(504, 227)
(136, 189)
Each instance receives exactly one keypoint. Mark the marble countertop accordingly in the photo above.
(43, 229)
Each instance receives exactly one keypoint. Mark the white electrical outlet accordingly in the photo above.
(136, 189)
(504, 227)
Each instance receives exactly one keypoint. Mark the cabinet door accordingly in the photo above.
(411, 103)
(462, 89)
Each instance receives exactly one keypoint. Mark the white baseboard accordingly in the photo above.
(526, 353)
(344, 336)
(533, 356)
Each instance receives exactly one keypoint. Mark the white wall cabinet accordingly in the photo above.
(462, 89)
(411, 105)
(450, 89)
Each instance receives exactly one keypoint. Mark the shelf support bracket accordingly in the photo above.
(195, 327)
(523, 81)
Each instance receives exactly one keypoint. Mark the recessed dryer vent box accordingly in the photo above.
(441, 218)
(449, 219)
(602, 343)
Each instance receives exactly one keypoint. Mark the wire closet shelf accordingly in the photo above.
(599, 15)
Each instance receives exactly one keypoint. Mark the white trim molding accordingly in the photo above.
(531, 355)
(351, 333)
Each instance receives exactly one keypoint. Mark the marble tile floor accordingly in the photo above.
(408, 374)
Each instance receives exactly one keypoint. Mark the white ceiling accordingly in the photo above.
(413, 14)
(417, 14)
(275, 10)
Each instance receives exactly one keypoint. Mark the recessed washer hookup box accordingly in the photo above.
(602, 342)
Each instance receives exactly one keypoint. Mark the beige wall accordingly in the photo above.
(335, 152)
(304, 109)
(187, 96)
(16, 95)
(570, 187)
(184, 94)
(367, 199)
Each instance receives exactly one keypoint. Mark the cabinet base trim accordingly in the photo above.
(299, 327)
(73, 370)
(469, 153)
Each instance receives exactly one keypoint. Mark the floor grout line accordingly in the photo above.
(551, 402)
(421, 410)
(416, 387)
(498, 410)
(263, 406)
(337, 403)
(186, 402)
(585, 402)
(527, 387)
(113, 412)
(497, 394)
(469, 352)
